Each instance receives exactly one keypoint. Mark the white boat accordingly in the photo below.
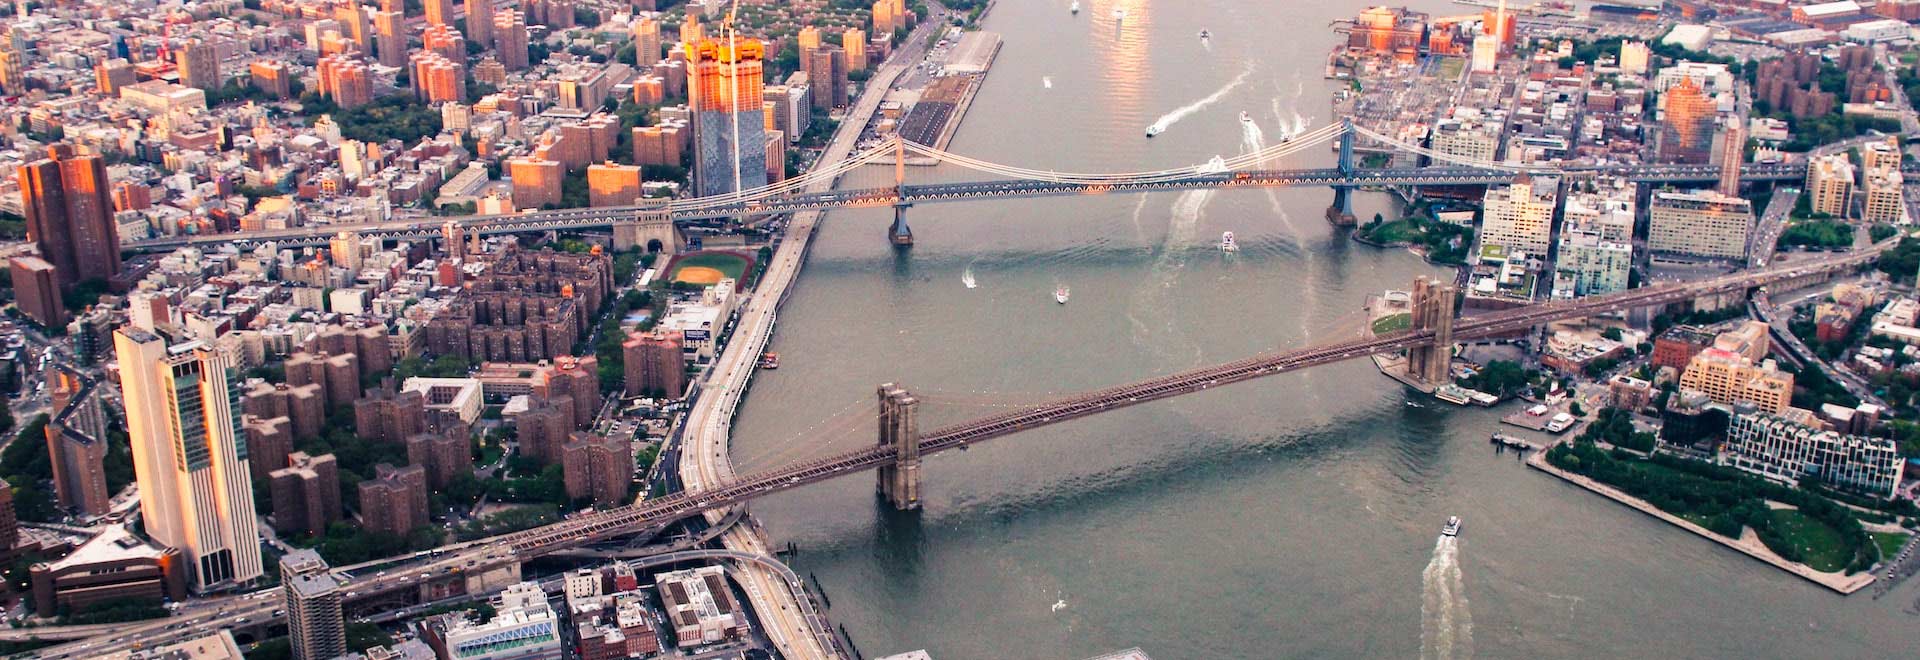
(1452, 528)
(1119, 14)
(1245, 118)
(1204, 34)
(1153, 130)
(1227, 243)
(1060, 294)
(1074, 8)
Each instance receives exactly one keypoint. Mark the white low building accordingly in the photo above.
(700, 607)
(458, 396)
(523, 628)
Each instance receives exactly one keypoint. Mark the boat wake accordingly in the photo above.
(1167, 120)
(966, 276)
(1446, 626)
(1046, 81)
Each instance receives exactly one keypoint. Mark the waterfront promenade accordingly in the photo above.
(1748, 543)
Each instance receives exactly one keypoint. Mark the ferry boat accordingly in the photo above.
(769, 360)
(1060, 294)
(1074, 8)
(1452, 528)
(1153, 130)
(1227, 244)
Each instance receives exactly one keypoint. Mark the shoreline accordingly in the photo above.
(1748, 543)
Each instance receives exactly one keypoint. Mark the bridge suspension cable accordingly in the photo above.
(822, 175)
(1288, 147)
(1453, 158)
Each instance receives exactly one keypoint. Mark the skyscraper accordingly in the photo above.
(510, 38)
(196, 492)
(480, 21)
(312, 601)
(646, 42)
(729, 133)
(854, 41)
(77, 442)
(439, 12)
(391, 36)
(1686, 135)
(70, 215)
(199, 65)
(1733, 154)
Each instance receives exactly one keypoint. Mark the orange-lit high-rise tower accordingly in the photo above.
(729, 125)
(70, 215)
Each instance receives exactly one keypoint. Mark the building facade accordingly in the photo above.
(1699, 224)
(316, 628)
(183, 413)
(725, 91)
(69, 214)
(1520, 216)
(1777, 448)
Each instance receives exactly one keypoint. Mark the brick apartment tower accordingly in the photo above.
(70, 215)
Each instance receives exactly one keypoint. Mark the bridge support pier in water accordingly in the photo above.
(900, 234)
(1432, 303)
(1341, 211)
(900, 431)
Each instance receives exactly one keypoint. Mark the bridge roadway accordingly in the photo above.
(592, 527)
(701, 209)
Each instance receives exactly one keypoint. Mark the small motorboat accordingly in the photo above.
(1153, 130)
(1227, 243)
(1204, 34)
(1119, 14)
(1074, 8)
(1452, 528)
(1060, 294)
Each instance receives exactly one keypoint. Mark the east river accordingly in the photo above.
(1290, 517)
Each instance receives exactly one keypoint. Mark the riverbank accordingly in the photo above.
(1748, 543)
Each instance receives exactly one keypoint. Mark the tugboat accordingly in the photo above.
(1452, 528)
(1060, 294)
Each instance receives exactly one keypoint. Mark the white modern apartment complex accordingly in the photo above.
(1780, 449)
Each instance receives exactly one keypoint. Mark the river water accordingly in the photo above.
(1290, 517)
